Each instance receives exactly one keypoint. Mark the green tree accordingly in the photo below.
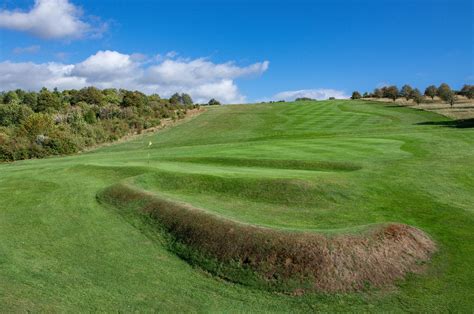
(416, 96)
(37, 124)
(90, 95)
(186, 99)
(444, 92)
(13, 114)
(11, 97)
(378, 93)
(356, 95)
(48, 101)
(406, 91)
(391, 92)
(134, 99)
(214, 102)
(431, 91)
(31, 100)
(175, 99)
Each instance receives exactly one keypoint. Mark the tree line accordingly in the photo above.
(443, 91)
(52, 122)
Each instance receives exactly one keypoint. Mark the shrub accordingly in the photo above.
(13, 114)
(36, 124)
(356, 95)
(214, 102)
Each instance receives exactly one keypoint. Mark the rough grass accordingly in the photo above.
(281, 260)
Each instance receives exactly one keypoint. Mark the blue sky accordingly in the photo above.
(236, 50)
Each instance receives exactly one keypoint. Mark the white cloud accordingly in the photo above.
(320, 94)
(50, 19)
(29, 49)
(171, 54)
(198, 71)
(32, 76)
(106, 67)
(201, 78)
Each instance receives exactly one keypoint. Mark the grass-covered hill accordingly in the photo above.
(134, 227)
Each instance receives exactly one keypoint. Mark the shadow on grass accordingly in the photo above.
(460, 124)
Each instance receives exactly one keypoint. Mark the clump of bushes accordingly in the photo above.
(44, 123)
(305, 99)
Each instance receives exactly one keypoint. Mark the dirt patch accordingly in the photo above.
(291, 262)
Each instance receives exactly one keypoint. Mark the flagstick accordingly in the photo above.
(149, 145)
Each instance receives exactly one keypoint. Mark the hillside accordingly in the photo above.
(69, 242)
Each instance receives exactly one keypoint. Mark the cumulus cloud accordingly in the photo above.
(201, 78)
(29, 49)
(32, 76)
(320, 94)
(50, 19)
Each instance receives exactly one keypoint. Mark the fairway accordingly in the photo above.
(328, 167)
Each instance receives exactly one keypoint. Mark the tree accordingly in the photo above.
(90, 95)
(391, 92)
(13, 114)
(175, 99)
(356, 95)
(406, 91)
(134, 99)
(378, 93)
(431, 91)
(48, 101)
(468, 91)
(214, 102)
(37, 124)
(416, 96)
(186, 99)
(31, 100)
(11, 97)
(444, 92)
(451, 98)
(112, 96)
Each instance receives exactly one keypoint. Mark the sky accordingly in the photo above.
(236, 51)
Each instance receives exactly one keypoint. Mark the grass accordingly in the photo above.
(347, 165)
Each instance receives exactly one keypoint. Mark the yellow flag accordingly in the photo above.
(149, 144)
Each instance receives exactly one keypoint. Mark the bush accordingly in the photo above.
(38, 124)
(13, 114)
(214, 102)
(356, 95)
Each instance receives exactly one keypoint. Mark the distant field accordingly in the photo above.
(326, 167)
(462, 109)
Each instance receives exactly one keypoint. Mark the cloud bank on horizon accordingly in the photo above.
(201, 78)
(319, 94)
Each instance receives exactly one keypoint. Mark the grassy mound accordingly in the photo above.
(269, 190)
(312, 165)
(280, 260)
